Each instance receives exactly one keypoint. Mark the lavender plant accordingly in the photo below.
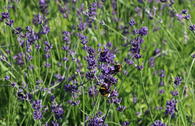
(97, 63)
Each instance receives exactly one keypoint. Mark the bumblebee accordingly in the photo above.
(117, 68)
(105, 91)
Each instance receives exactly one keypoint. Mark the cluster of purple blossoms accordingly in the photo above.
(135, 46)
(92, 63)
(121, 108)
(66, 37)
(132, 22)
(114, 99)
(178, 80)
(83, 39)
(92, 12)
(174, 93)
(57, 110)
(158, 123)
(52, 123)
(125, 123)
(192, 27)
(82, 26)
(93, 91)
(59, 77)
(71, 88)
(106, 56)
(74, 102)
(63, 10)
(162, 75)
(43, 6)
(5, 16)
(163, 1)
(19, 58)
(183, 15)
(97, 120)
(37, 106)
(171, 107)
(22, 95)
(143, 31)
(47, 49)
(31, 36)
(38, 19)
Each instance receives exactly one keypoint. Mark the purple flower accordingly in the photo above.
(47, 65)
(106, 56)
(163, 1)
(193, 55)
(106, 69)
(179, 16)
(158, 123)
(178, 80)
(54, 123)
(161, 83)
(114, 93)
(93, 91)
(162, 91)
(187, 17)
(18, 30)
(96, 121)
(129, 61)
(171, 107)
(115, 100)
(136, 47)
(38, 19)
(45, 30)
(82, 26)
(71, 88)
(184, 11)
(37, 115)
(91, 62)
(59, 77)
(109, 44)
(121, 108)
(21, 95)
(152, 62)
(156, 51)
(162, 73)
(74, 103)
(108, 79)
(7, 77)
(140, 67)
(134, 100)
(174, 93)
(143, 31)
(9, 22)
(58, 111)
(125, 123)
(13, 84)
(5, 15)
(19, 58)
(192, 27)
(37, 105)
(90, 75)
(66, 37)
(52, 98)
(43, 5)
(90, 51)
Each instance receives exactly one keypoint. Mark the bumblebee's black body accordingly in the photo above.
(104, 90)
(117, 68)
